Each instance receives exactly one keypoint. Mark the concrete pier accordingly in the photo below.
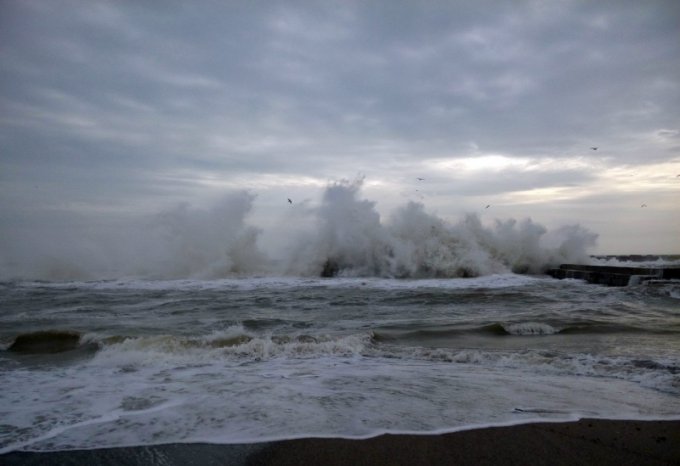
(614, 276)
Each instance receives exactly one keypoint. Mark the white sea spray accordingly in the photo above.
(344, 235)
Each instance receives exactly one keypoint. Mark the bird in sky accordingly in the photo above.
(289, 201)
(421, 179)
(594, 148)
(487, 206)
(643, 205)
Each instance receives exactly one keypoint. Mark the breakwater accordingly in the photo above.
(614, 275)
(639, 257)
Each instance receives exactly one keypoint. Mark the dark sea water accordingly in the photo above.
(136, 362)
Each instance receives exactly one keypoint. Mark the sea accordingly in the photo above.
(361, 326)
(139, 362)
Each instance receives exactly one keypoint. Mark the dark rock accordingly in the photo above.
(330, 268)
(46, 342)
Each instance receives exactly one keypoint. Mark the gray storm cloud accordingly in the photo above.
(119, 109)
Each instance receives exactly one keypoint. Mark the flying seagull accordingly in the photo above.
(643, 205)
(594, 148)
(487, 206)
(420, 179)
(289, 201)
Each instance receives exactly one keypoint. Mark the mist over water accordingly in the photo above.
(344, 235)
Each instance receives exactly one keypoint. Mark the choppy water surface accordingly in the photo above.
(112, 363)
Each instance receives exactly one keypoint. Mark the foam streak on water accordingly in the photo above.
(130, 362)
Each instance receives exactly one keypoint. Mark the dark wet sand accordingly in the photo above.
(586, 442)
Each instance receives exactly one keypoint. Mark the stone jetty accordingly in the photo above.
(615, 275)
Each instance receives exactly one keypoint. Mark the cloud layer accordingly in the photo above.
(126, 108)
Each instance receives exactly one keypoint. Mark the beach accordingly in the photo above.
(588, 441)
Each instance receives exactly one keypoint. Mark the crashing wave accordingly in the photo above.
(344, 236)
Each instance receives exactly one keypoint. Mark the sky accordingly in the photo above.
(121, 109)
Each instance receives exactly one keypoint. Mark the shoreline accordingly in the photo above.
(587, 441)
